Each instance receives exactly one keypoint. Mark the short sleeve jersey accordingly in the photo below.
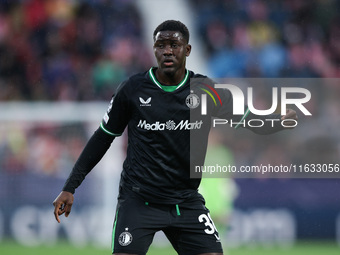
(160, 120)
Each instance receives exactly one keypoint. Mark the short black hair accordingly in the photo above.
(173, 25)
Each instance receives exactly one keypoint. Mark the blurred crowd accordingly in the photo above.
(280, 38)
(68, 50)
(81, 50)
(56, 147)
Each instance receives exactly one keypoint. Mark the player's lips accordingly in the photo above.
(168, 62)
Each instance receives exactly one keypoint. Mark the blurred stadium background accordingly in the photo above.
(60, 62)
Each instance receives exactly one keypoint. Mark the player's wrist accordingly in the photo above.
(69, 189)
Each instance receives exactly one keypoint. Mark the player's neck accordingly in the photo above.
(169, 78)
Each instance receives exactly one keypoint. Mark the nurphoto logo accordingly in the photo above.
(239, 102)
(300, 97)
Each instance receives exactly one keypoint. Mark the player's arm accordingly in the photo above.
(93, 152)
(290, 115)
(273, 123)
(113, 124)
(270, 123)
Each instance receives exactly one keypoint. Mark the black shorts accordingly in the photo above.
(188, 226)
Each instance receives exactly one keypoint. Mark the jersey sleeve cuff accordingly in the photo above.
(69, 189)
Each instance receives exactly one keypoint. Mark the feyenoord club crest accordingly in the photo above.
(125, 238)
(192, 101)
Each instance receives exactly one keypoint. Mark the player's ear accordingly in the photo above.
(188, 50)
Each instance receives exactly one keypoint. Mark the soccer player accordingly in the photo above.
(156, 193)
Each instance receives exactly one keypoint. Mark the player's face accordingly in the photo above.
(171, 50)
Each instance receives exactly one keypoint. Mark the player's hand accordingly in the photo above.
(290, 115)
(63, 204)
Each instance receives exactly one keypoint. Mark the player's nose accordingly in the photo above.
(167, 50)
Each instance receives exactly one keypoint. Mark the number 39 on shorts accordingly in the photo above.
(208, 222)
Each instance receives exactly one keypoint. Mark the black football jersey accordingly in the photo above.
(167, 131)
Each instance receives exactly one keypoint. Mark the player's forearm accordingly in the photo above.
(264, 125)
(93, 152)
